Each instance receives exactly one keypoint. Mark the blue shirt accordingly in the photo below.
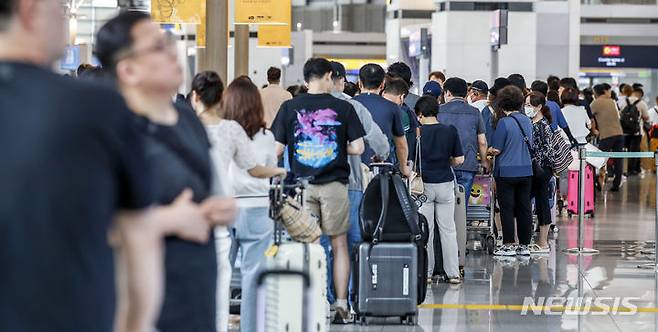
(468, 121)
(387, 116)
(438, 144)
(487, 117)
(514, 159)
(410, 126)
(558, 117)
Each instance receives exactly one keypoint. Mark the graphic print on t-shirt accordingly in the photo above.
(315, 136)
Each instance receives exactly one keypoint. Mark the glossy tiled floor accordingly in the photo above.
(623, 224)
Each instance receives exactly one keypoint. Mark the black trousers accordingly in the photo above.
(514, 201)
(614, 144)
(542, 195)
(632, 144)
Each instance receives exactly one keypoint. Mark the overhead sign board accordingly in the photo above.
(178, 11)
(273, 12)
(618, 56)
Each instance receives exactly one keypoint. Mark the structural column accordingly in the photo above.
(215, 55)
(241, 50)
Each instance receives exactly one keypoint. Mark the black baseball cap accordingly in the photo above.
(480, 86)
(338, 70)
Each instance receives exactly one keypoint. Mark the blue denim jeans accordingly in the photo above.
(253, 233)
(465, 178)
(353, 240)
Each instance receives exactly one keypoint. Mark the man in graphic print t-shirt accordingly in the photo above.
(321, 131)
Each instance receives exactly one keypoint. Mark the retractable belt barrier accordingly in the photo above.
(582, 158)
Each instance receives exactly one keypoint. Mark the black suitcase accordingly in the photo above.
(386, 281)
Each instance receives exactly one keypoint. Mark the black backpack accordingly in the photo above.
(630, 118)
(388, 213)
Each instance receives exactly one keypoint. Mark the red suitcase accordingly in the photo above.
(572, 195)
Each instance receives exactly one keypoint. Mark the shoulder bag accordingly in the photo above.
(417, 186)
(537, 170)
(562, 157)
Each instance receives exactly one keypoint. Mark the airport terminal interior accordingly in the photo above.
(328, 165)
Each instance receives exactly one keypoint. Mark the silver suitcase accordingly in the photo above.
(386, 278)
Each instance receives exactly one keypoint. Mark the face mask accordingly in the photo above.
(469, 100)
(530, 112)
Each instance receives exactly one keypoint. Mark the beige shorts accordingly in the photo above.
(330, 202)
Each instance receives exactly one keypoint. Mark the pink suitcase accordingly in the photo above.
(572, 195)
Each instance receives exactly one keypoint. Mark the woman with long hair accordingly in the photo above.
(253, 227)
(230, 146)
(540, 114)
(513, 170)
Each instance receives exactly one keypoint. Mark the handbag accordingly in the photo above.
(417, 186)
(537, 170)
(562, 157)
(300, 224)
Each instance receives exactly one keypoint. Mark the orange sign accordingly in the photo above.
(274, 36)
(178, 11)
(275, 12)
(609, 50)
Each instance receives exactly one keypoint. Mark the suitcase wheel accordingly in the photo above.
(409, 320)
(363, 320)
(490, 244)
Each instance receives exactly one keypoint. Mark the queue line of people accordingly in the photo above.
(170, 187)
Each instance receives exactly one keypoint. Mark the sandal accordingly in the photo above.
(537, 250)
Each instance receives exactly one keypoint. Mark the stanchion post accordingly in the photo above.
(655, 159)
(654, 265)
(581, 196)
(582, 158)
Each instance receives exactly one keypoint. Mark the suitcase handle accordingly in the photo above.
(261, 294)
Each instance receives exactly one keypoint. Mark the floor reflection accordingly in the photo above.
(495, 289)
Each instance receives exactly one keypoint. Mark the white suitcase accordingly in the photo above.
(284, 294)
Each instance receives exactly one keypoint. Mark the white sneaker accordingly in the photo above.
(499, 242)
(523, 250)
(505, 250)
(537, 250)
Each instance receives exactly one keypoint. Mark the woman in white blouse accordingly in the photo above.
(579, 123)
(231, 148)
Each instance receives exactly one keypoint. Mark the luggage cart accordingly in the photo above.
(480, 213)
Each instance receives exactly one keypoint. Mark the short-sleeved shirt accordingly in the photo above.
(374, 137)
(317, 129)
(251, 191)
(542, 143)
(387, 116)
(653, 115)
(556, 113)
(514, 159)
(488, 119)
(230, 144)
(71, 158)
(438, 144)
(179, 158)
(410, 125)
(468, 121)
(579, 122)
(607, 117)
(410, 100)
